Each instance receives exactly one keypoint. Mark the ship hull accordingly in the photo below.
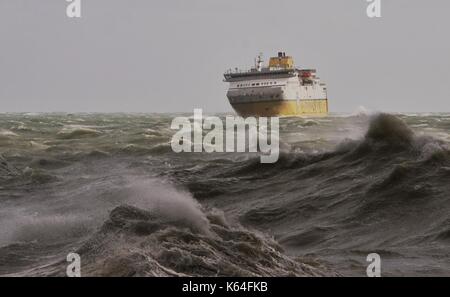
(307, 108)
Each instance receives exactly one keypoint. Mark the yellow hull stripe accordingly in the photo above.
(316, 107)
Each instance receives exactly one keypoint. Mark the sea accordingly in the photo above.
(110, 188)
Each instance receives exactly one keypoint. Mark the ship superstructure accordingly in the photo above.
(280, 89)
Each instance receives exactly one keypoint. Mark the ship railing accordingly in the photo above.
(240, 71)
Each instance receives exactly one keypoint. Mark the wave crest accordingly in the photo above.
(143, 243)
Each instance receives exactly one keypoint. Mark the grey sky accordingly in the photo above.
(169, 55)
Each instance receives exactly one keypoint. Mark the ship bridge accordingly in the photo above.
(280, 66)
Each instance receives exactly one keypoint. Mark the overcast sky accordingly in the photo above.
(170, 55)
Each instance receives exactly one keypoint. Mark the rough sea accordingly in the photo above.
(110, 188)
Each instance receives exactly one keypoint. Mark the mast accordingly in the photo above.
(259, 62)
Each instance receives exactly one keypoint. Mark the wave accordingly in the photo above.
(335, 199)
(44, 229)
(374, 189)
(171, 234)
(38, 146)
(38, 176)
(143, 243)
(75, 132)
(390, 130)
(7, 133)
(6, 169)
(151, 149)
(28, 174)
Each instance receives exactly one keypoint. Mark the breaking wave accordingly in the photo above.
(375, 189)
(170, 235)
(142, 243)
